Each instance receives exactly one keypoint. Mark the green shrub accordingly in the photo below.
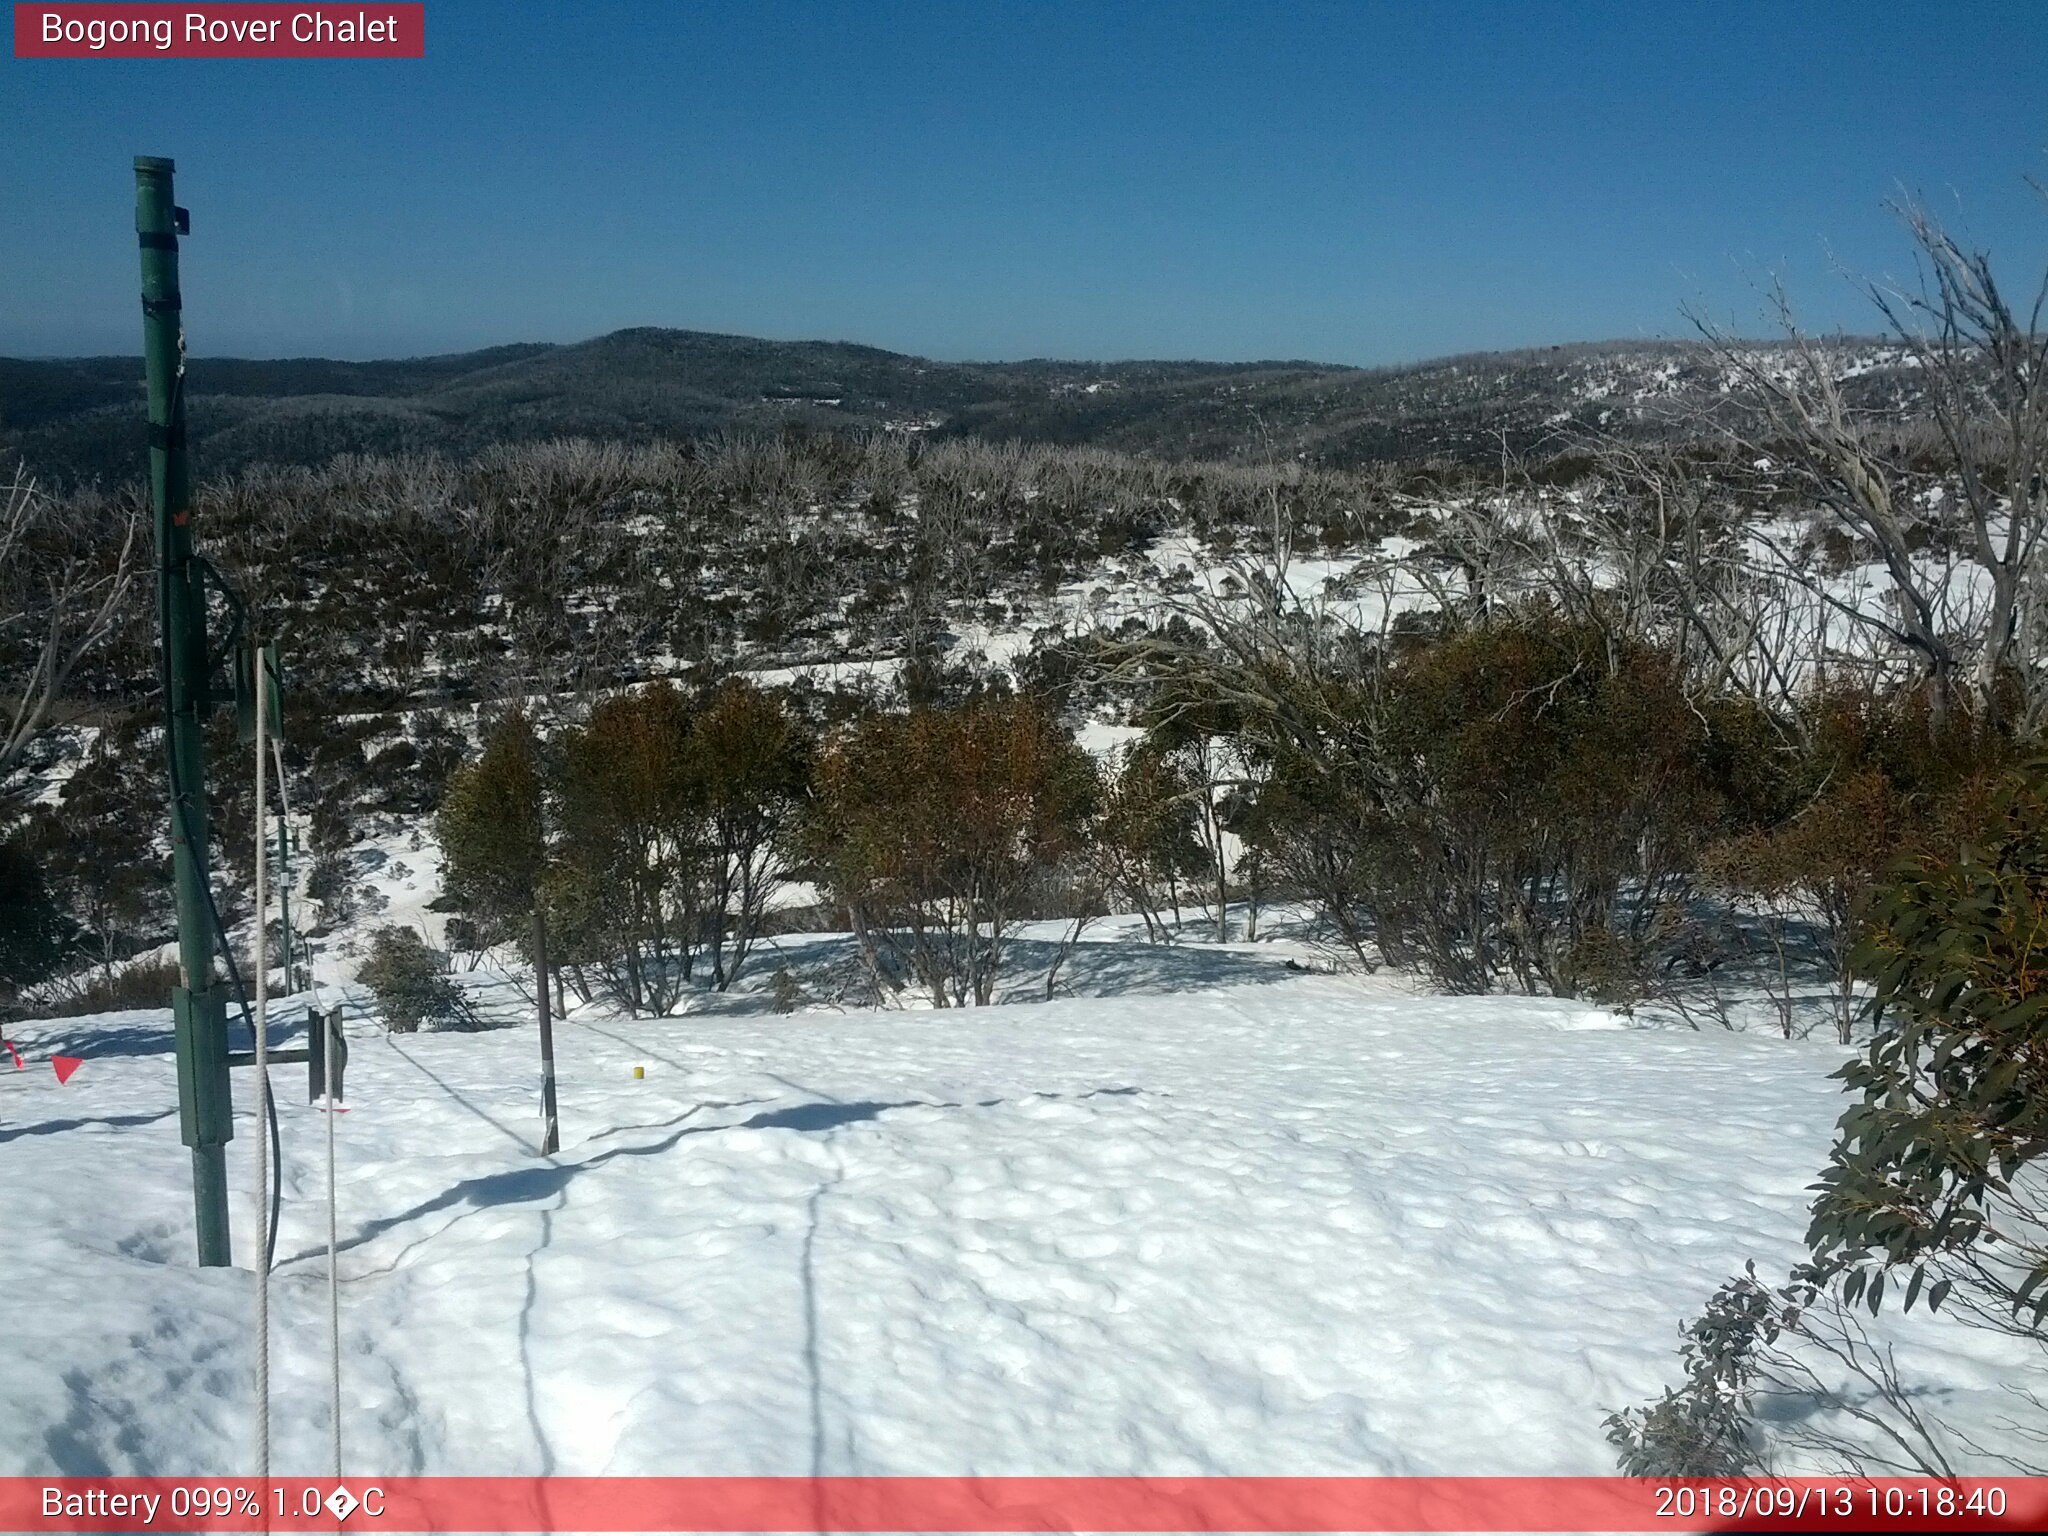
(931, 828)
(330, 884)
(1932, 1189)
(1513, 803)
(411, 983)
(36, 936)
(1875, 778)
(1932, 1162)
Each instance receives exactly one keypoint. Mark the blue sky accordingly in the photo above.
(1361, 182)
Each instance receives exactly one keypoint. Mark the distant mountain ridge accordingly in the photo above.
(81, 418)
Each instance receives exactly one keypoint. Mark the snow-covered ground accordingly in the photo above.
(1223, 1217)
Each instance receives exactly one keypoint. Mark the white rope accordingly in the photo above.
(262, 1022)
(284, 806)
(330, 1022)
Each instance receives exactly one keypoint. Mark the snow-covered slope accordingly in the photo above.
(1274, 1224)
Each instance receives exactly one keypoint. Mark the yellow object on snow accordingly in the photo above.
(639, 1071)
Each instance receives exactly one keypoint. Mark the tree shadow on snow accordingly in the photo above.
(830, 1115)
(547, 1180)
(52, 1127)
(521, 1186)
(524, 1144)
(145, 1032)
(1122, 968)
(829, 969)
(150, 1035)
(824, 1117)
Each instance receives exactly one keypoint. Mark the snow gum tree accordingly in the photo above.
(1201, 741)
(96, 848)
(492, 830)
(753, 765)
(1873, 780)
(655, 832)
(632, 827)
(1146, 844)
(931, 827)
(1514, 802)
(36, 937)
(1937, 1164)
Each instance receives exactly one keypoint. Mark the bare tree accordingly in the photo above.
(1965, 569)
(1675, 560)
(61, 593)
(1986, 378)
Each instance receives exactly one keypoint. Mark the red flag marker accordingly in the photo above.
(66, 1065)
(19, 1064)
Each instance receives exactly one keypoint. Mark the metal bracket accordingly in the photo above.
(250, 659)
(313, 1053)
(200, 1020)
(318, 1028)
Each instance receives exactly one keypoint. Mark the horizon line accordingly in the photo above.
(1436, 359)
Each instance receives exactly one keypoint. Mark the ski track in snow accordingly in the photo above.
(1306, 1227)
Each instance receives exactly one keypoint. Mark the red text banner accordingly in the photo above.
(115, 31)
(1149, 1504)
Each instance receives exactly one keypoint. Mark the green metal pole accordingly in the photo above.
(199, 1005)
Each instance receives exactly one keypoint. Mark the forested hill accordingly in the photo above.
(80, 419)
